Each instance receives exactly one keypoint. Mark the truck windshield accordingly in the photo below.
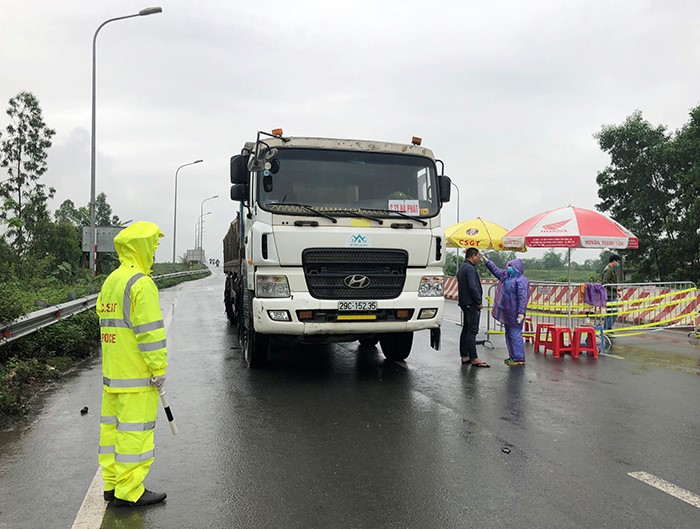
(344, 183)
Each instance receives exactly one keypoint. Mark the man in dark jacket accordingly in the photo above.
(470, 301)
(611, 276)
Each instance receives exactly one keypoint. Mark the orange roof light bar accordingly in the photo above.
(277, 132)
(416, 140)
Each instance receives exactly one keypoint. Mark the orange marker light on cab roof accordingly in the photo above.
(416, 140)
(277, 132)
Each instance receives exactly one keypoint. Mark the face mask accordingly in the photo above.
(617, 265)
(512, 272)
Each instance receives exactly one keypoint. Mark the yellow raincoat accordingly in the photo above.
(133, 350)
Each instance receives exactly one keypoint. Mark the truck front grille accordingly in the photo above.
(376, 274)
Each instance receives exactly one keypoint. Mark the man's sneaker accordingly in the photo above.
(147, 498)
(511, 362)
(109, 495)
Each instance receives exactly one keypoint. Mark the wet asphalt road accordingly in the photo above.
(334, 436)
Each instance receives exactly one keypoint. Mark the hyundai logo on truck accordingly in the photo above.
(357, 281)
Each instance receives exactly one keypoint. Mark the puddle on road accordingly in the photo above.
(685, 358)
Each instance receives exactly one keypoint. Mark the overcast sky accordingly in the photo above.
(508, 93)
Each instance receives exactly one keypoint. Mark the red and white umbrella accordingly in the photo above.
(571, 227)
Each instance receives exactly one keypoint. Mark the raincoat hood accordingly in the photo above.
(136, 245)
(517, 265)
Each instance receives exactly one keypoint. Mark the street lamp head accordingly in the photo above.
(198, 161)
(150, 11)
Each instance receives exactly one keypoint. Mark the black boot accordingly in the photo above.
(147, 498)
(109, 495)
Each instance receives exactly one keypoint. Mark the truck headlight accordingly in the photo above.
(272, 287)
(431, 287)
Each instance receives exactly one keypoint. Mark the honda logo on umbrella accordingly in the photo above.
(356, 281)
(555, 226)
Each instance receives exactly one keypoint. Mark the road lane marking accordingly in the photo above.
(92, 510)
(608, 355)
(668, 488)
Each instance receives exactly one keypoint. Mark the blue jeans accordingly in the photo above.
(610, 320)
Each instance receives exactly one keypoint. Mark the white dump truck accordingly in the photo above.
(335, 241)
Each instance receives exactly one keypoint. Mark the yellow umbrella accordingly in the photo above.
(477, 233)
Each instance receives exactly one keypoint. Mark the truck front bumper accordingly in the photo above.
(402, 314)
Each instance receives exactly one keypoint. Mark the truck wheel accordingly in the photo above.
(396, 346)
(256, 347)
(228, 303)
(369, 342)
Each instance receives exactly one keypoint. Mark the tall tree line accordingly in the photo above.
(32, 244)
(652, 187)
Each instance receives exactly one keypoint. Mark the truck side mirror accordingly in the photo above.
(239, 192)
(445, 188)
(239, 169)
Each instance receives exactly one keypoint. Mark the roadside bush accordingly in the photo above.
(165, 283)
(74, 337)
(47, 354)
(44, 356)
(13, 301)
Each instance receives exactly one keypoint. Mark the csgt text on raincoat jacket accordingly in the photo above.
(512, 293)
(131, 324)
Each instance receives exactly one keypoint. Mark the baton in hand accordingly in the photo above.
(168, 413)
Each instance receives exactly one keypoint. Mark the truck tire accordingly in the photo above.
(231, 314)
(369, 342)
(396, 346)
(256, 346)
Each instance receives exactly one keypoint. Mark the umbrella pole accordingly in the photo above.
(568, 259)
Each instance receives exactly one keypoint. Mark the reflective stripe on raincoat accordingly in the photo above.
(131, 325)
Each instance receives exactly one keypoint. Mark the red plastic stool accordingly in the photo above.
(527, 330)
(590, 345)
(538, 336)
(556, 344)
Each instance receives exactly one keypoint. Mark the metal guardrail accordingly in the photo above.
(39, 319)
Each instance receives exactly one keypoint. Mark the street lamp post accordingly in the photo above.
(201, 214)
(175, 207)
(200, 233)
(93, 234)
(457, 188)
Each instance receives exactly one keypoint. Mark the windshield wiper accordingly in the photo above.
(399, 213)
(307, 208)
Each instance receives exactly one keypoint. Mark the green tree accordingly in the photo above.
(23, 153)
(67, 213)
(453, 262)
(103, 212)
(637, 188)
(651, 187)
(685, 166)
(551, 260)
(58, 246)
(500, 258)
